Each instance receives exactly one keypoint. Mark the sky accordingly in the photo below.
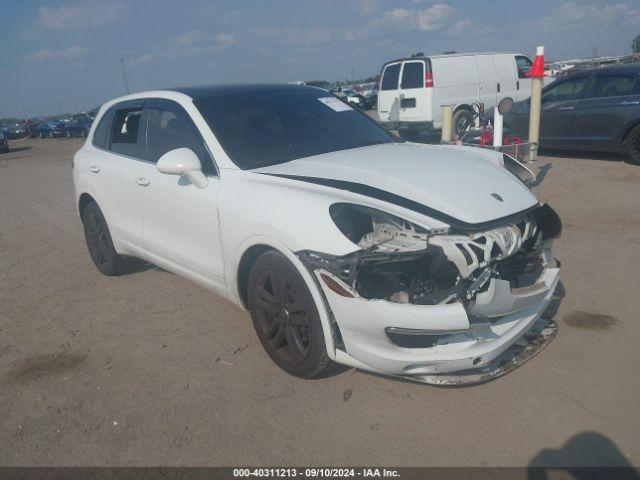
(64, 56)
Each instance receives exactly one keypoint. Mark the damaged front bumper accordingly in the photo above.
(481, 327)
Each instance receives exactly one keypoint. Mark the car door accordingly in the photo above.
(601, 117)
(504, 66)
(487, 92)
(523, 85)
(181, 230)
(413, 93)
(113, 170)
(559, 101)
(388, 95)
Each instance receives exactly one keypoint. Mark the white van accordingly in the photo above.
(413, 90)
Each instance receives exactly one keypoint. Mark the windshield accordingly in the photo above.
(265, 128)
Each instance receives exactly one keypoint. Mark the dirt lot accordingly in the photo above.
(148, 369)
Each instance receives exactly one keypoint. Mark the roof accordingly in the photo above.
(628, 68)
(448, 55)
(208, 91)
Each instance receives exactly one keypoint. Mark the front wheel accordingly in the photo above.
(633, 146)
(409, 135)
(285, 316)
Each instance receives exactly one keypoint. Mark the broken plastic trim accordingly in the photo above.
(541, 333)
(404, 263)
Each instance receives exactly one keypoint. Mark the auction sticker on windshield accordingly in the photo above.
(335, 104)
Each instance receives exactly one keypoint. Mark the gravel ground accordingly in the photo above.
(149, 369)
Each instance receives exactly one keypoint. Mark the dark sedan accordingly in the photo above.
(595, 110)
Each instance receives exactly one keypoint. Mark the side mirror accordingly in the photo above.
(183, 161)
(505, 105)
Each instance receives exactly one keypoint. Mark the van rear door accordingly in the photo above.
(415, 92)
(388, 95)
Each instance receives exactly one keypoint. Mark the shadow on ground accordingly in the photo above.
(586, 455)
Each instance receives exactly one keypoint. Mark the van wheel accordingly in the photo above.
(99, 243)
(462, 121)
(633, 146)
(285, 316)
(409, 135)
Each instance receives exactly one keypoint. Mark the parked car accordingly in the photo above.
(596, 110)
(370, 94)
(345, 244)
(354, 98)
(19, 130)
(4, 143)
(6, 130)
(413, 90)
(52, 128)
(78, 127)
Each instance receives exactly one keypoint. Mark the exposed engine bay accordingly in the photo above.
(404, 263)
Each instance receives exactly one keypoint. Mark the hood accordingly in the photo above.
(455, 182)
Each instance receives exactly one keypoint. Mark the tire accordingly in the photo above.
(99, 243)
(409, 135)
(633, 146)
(462, 121)
(285, 316)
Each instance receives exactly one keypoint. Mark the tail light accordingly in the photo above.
(428, 79)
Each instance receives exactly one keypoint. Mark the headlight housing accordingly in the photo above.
(374, 230)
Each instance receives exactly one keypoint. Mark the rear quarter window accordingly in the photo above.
(101, 134)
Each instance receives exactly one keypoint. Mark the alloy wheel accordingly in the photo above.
(282, 317)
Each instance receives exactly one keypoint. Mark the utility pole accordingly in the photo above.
(124, 75)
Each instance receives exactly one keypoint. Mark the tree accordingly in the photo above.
(635, 45)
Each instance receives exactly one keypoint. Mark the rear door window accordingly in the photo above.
(170, 127)
(614, 86)
(390, 77)
(412, 75)
(126, 131)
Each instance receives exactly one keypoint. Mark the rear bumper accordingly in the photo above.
(472, 345)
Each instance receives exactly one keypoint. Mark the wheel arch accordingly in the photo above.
(627, 130)
(249, 251)
(83, 201)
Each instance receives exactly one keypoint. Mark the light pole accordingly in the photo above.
(124, 76)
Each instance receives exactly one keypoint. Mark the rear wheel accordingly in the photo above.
(409, 135)
(285, 316)
(462, 121)
(99, 243)
(633, 146)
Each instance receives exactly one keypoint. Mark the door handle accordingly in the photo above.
(565, 109)
(143, 182)
(498, 87)
(630, 102)
(518, 85)
(94, 169)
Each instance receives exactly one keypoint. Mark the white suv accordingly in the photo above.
(346, 245)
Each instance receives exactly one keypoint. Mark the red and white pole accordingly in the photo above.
(536, 73)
